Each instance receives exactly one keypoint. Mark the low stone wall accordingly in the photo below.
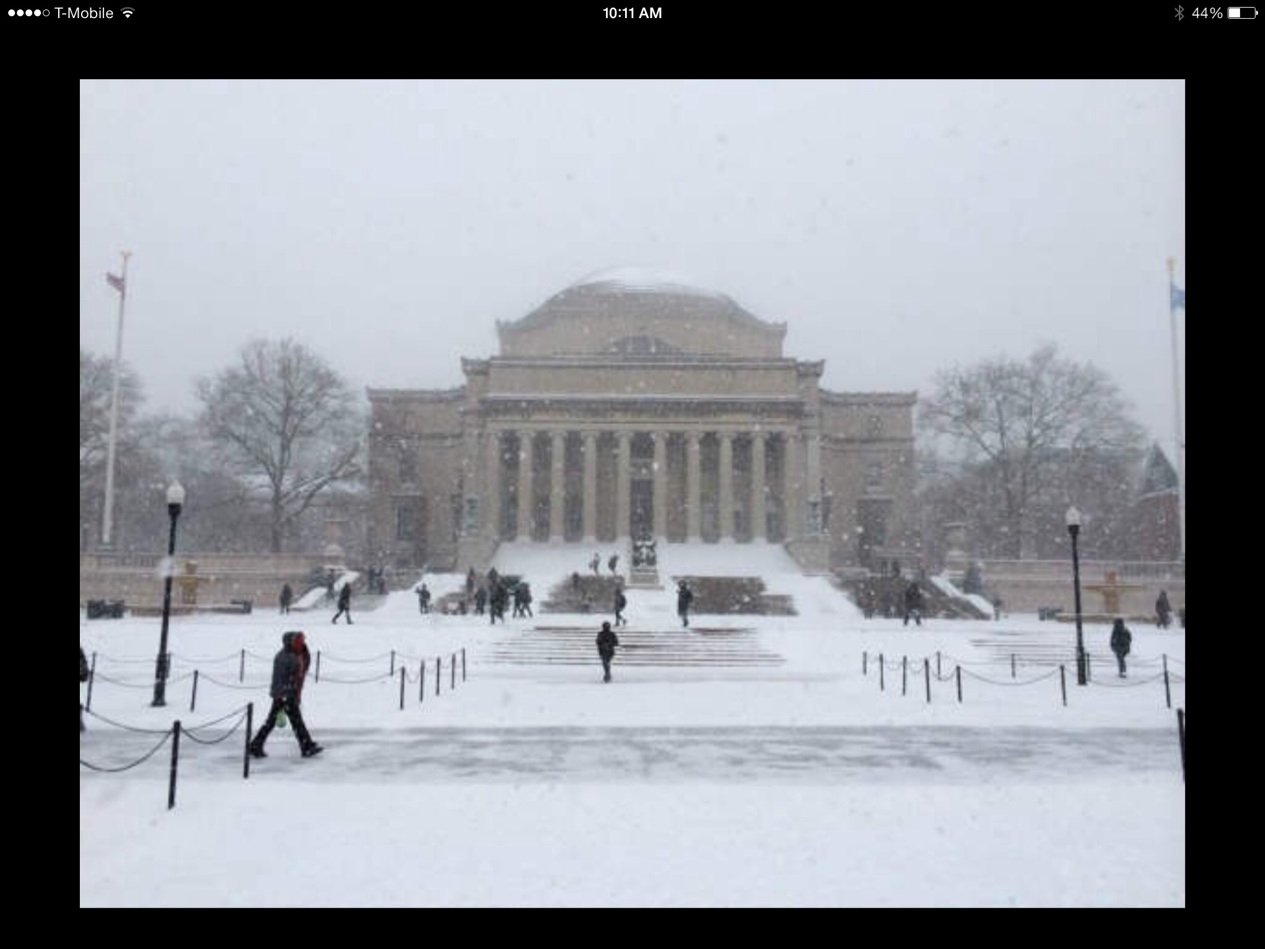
(216, 578)
(1025, 586)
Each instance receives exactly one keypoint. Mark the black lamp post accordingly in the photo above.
(175, 501)
(1074, 528)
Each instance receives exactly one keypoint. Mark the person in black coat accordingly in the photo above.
(606, 643)
(913, 603)
(621, 601)
(344, 603)
(1163, 610)
(84, 674)
(684, 597)
(423, 599)
(289, 668)
(1121, 640)
(287, 597)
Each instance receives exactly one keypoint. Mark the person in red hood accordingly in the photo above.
(289, 669)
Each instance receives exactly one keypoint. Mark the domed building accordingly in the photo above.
(635, 405)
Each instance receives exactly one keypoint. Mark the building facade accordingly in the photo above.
(633, 405)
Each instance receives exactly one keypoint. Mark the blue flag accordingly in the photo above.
(1177, 296)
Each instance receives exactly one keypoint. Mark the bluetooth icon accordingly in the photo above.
(1179, 14)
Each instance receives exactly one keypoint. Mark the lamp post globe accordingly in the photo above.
(175, 501)
(1074, 529)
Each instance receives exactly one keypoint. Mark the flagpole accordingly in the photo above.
(107, 523)
(1180, 442)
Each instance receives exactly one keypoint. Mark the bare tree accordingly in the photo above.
(287, 424)
(1031, 434)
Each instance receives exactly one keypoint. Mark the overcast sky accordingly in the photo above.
(896, 227)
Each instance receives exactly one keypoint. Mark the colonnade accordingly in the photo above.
(764, 493)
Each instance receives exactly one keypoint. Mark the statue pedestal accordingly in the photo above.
(1110, 590)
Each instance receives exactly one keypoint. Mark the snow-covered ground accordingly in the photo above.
(820, 777)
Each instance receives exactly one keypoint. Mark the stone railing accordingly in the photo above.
(1131, 586)
(209, 578)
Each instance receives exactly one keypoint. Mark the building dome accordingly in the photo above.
(614, 310)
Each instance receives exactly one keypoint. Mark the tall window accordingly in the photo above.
(408, 520)
(408, 465)
(873, 475)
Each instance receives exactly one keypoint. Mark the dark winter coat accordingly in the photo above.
(344, 596)
(1162, 606)
(1121, 638)
(913, 597)
(684, 597)
(620, 601)
(84, 671)
(288, 670)
(606, 642)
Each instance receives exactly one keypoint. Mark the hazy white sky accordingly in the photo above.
(897, 227)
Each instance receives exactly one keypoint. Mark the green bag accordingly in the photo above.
(281, 719)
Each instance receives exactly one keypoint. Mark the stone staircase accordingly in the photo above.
(684, 648)
(1042, 649)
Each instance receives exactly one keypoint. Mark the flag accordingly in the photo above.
(1177, 297)
(115, 282)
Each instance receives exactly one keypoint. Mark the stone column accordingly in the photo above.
(812, 477)
(492, 486)
(758, 521)
(623, 486)
(693, 488)
(660, 485)
(726, 486)
(526, 457)
(590, 487)
(557, 484)
(793, 479)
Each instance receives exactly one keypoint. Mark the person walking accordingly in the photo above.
(524, 588)
(344, 603)
(606, 643)
(684, 597)
(498, 599)
(84, 674)
(289, 668)
(287, 597)
(423, 599)
(1163, 610)
(621, 601)
(913, 603)
(868, 599)
(612, 563)
(1121, 640)
(595, 563)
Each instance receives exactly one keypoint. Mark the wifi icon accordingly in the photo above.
(127, 12)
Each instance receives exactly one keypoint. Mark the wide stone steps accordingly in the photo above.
(574, 645)
(1042, 650)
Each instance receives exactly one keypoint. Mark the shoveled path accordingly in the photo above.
(813, 755)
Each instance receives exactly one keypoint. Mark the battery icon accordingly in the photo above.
(1242, 13)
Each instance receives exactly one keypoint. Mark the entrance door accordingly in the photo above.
(642, 513)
